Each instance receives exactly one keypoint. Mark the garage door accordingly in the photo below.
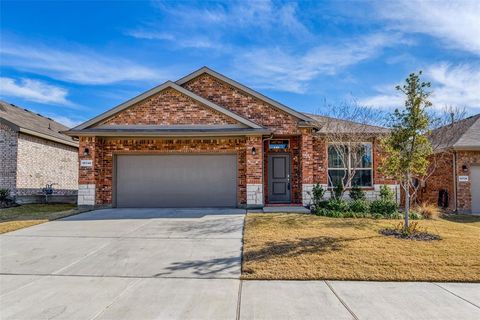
(475, 189)
(170, 181)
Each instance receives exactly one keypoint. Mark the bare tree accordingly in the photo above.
(345, 129)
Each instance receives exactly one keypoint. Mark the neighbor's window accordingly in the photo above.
(350, 161)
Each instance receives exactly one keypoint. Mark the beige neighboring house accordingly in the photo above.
(33, 153)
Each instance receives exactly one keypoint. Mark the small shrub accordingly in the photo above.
(384, 208)
(359, 206)
(338, 191)
(337, 205)
(318, 192)
(356, 193)
(4, 195)
(428, 211)
(415, 215)
(386, 194)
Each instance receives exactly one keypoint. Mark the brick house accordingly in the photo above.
(205, 141)
(455, 181)
(33, 153)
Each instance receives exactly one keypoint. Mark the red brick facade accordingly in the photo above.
(169, 107)
(243, 104)
(447, 166)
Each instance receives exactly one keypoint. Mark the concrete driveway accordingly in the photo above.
(185, 264)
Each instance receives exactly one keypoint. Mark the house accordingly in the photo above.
(34, 153)
(455, 179)
(209, 141)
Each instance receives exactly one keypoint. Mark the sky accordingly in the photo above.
(73, 60)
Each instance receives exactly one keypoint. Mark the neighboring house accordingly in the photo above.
(455, 182)
(208, 141)
(34, 153)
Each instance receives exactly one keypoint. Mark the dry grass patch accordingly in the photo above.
(296, 246)
(31, 214)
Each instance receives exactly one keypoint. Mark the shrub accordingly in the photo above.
(383, 208)
(386, 194)
(359, 206)
(356, 193)
(415, 215)
(4, 195)
(317, 195)
(337, 205)
(338, 191)
(428, 211)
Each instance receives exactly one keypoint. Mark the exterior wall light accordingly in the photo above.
(465, 168)
(86, 152)
(254, 151)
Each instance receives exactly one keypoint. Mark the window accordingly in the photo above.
(351, 162)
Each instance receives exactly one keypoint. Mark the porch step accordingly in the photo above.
(286, 209)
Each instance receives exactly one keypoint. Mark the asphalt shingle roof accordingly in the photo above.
(34, 123)
(463, 134)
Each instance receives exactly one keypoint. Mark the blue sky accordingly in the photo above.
(74, 60)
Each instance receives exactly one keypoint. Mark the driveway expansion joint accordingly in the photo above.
(456, 295)
(341, 300)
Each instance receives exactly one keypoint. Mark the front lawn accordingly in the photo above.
(307, 247)
(30, 214)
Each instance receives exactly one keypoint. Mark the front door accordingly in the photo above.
(279, 178)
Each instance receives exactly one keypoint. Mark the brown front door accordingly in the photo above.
(279, 178)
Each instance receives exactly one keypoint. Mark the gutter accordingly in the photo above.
(167, 134)
(47, 137)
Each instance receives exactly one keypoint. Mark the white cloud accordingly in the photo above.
(274, 68)
(76, 65)
(456, 23)
(34, 90)
(452, 85)
(66, 121)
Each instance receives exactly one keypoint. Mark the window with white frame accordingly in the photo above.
(350, 162)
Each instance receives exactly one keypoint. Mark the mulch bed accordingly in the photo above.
(419, 236)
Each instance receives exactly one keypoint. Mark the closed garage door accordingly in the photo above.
(170, 181)
(475, 189)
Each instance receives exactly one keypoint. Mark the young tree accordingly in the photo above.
(407, 147)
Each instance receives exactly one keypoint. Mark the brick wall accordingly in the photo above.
(101, 173)
(464, 195)
(40, 161)
(8, 158)
(243, 104)
(442, 178)
(169, 107)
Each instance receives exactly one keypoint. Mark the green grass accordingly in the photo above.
(30, 214)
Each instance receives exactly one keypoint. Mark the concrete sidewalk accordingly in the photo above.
(80, 297)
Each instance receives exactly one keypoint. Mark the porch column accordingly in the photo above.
(254, 165)
(86, 173)
(307, 165)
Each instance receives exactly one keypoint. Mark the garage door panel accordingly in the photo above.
(176, 180)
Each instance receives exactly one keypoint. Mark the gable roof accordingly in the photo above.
(157, 89)
(26, 121)
(333, 125)
(464, 134)
(243, 88)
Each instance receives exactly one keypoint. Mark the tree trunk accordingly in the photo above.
(407, 206)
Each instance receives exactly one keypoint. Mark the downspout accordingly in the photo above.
(455, 180)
